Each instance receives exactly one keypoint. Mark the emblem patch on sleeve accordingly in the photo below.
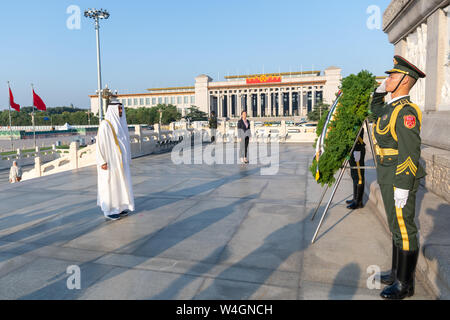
(409, 121)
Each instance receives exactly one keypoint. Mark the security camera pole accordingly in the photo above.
(96, 15)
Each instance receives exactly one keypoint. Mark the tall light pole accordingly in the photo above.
(97, 15)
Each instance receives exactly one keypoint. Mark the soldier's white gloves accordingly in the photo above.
(400, 197)
(357, 155)
(382, 87)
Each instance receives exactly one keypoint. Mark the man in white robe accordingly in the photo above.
(15, 173)
(115, 189)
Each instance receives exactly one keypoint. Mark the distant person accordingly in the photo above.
(357, 160)
(244, 134)
(15, 173)
(213, 125)
(115, 189)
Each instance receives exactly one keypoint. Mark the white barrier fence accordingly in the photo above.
(141, 144)
(27, 158)
(159, 141)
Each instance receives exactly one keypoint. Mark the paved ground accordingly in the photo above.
(199, 232)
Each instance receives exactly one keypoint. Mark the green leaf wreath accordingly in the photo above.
(352, 109)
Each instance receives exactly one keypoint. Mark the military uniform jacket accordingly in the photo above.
(397, 141)
(360, 145)
(213, 122)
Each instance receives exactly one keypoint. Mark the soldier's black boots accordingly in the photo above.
(403, 286)
(354, 194)
(357, 202)
(388, 277)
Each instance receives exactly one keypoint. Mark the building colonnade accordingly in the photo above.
(264, 102)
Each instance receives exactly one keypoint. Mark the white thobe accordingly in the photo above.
(115, 190)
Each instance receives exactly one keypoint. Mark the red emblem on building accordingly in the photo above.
(409, 121)
(263, 79)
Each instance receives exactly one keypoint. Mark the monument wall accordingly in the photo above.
(420, 32)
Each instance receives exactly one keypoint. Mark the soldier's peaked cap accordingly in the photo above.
(401, 65)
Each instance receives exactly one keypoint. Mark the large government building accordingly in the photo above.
(261, 95)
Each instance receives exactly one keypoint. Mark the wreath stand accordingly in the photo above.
(341, 174)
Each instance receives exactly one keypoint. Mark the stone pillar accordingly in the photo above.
(280, 103)
(249, 104)
(269, 103)
(436, 59)
(229, 104)
(313, 99)
(258, 104)
(238, 105)
(290, 103)
(220, 106)
(301, 102)
(73, 154)
(37, 166)
(224, 127)
(158, 129)
(138, 132)
(283, 129)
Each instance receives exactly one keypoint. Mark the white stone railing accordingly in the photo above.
(141, 144)
(283, 133)
(163, 140)
(27, 158)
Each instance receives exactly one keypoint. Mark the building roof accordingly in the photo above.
(274, 74)
(170, 88)
(333, 68)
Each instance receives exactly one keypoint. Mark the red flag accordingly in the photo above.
(38, 103)
(13, 105)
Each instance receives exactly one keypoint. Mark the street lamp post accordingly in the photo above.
(97, 15)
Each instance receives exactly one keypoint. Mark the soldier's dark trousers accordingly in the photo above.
(358, 177)
(401, 221)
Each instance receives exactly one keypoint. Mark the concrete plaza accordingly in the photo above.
(198, 232)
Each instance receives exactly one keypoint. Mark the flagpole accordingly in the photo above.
(10, 128)
(34, 127)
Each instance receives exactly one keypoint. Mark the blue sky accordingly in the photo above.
(168, 43)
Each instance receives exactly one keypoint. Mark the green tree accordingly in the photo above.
(319, 110)
(151, 115)
(17, 118)
(57, 116)
(194, 114)
(169, 113)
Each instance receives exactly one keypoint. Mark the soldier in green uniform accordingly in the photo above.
(357, 160)
(213, 125)
(397, 145)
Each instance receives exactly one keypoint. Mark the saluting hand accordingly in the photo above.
(382, 87)
(105, 166)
